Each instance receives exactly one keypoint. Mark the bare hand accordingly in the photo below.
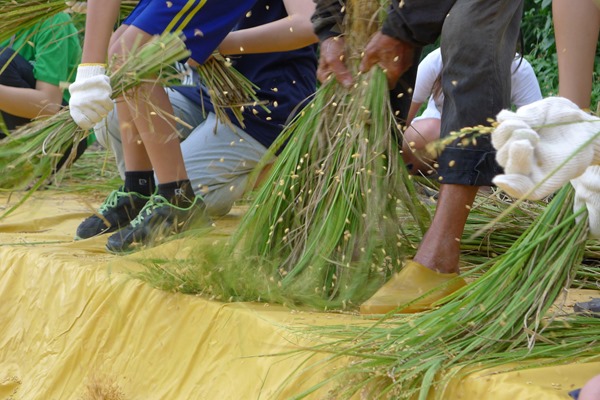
(392, 55)
(331, 61)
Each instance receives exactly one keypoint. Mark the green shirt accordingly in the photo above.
(53, 47)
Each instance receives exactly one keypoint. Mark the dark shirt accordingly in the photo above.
(417, 22)
(285, 79)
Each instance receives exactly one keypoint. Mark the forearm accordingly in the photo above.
(412, 112)
(417, 22)
(328, 18)
(28, 103)
(100, 20)
(283, 35)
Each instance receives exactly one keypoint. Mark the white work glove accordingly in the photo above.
(79, 7)
(587, 193)
(90, 95)
(536, 139)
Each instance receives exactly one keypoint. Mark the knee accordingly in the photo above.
(591, 390)
(17, 71)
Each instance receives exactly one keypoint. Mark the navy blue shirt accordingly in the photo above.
(284, 78)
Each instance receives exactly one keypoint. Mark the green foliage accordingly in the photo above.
(540, 48)
(539, 45)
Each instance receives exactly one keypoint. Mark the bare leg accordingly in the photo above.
(134, 152)
(158, 134)
(591, 390)
(137, 115)
(440, 248)
(576, 28)
(416, 137)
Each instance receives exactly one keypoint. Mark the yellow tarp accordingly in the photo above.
(75, 324)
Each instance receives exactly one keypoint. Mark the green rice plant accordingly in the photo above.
(325, 228)
(506, 311)
(229, 90)
(28, 156)
(327, 215)
(21, 14)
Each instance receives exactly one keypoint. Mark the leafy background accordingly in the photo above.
(540, 48)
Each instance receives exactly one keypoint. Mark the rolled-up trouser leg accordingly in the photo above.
(478, 45)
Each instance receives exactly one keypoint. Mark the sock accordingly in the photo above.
(141, 182)
(179, 193)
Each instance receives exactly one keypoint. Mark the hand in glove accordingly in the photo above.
(536, 139)
(79, 7)
(90, 95)
(587, 193)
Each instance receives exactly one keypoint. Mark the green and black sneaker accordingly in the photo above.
(158, 220)
(117, 211)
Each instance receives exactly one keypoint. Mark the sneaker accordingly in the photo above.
(117, 211)
(158, 219)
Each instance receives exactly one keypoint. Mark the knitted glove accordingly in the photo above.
(587, 193)
(537, 138)
(90, 95)
(79, 7)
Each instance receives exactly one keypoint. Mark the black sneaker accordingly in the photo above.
(157, 220)
(589, 308)
(117, 211)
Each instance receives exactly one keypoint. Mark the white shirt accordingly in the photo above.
(524, 83)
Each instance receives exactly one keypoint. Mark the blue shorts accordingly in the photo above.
(204, 23)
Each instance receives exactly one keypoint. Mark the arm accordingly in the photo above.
(327, 24)
(416, 22)
(56, 51)
(91, 92)
(99, 23)
(45, 99)
(328, 18)
(525, 86)
(286, 34)
(412, 112)
(410, 24)
(428, 72)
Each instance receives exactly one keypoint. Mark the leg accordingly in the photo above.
(591, 390)
(108, 131)
(440, 248)
(476, 84)
(219, 164)
(416, 138)
(476, 80)
(16, 72)
(576, 29)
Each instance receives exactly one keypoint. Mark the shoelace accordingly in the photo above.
(111, 201)
(152, 204)
(155, 202)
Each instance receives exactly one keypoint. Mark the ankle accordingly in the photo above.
(179, 193)
(443, 265)
(141, 182)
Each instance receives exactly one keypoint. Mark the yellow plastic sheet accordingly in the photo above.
(75, 325)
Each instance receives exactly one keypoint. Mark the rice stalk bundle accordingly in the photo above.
(327, 219)
(21, 14)
(229, 90)
(504, 312)
(28, 156)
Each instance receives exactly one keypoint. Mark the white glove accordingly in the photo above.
(587, 193)
(536, 139)
(90, 95)
(79, 7)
